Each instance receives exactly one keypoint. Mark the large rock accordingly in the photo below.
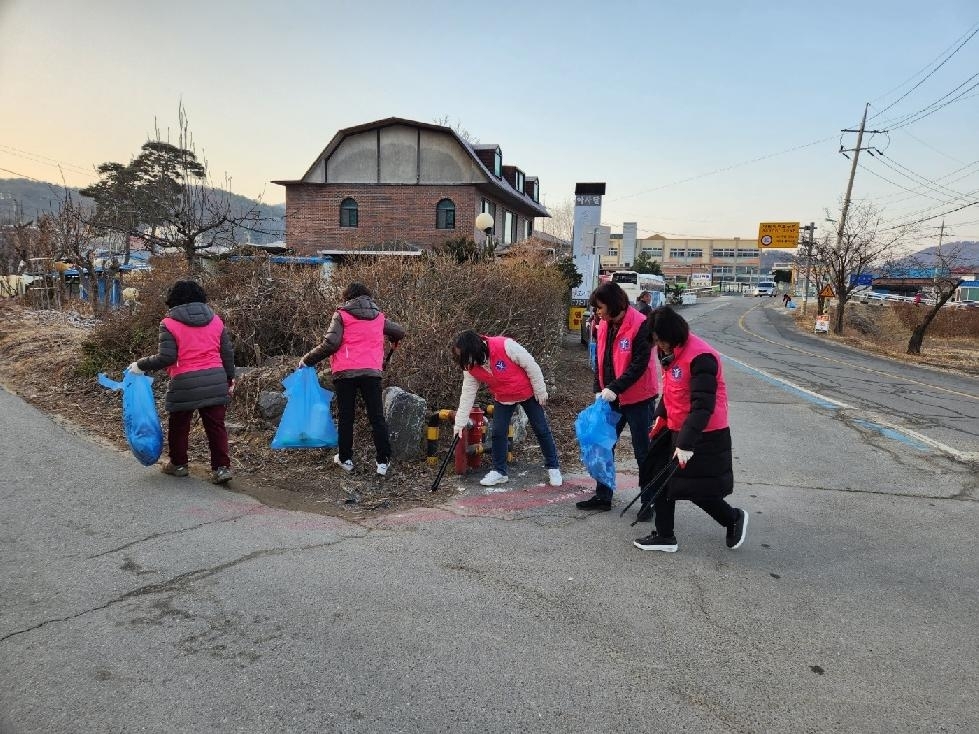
(271, 404)
(407, 418)
(520, 425)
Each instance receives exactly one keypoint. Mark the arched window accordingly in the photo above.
(445, 215)
(348, 213)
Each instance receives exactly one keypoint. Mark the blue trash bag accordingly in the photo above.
(306, 422)
(139, 417)
(593, 355)
(595, 429)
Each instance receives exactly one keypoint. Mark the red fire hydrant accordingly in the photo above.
(470, 446)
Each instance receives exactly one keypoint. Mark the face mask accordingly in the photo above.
(666, 360)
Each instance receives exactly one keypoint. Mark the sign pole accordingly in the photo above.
(805, 294)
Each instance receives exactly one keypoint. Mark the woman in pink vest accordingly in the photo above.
(624, 375)
(693, 411)
(354, 343)
(513, 378)
(195, 349)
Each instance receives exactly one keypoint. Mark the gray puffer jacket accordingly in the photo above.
(198, 388)
(363, 308)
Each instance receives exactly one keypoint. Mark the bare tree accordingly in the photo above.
(446, 121)
(561, 222)
(166, 195)
(862, 243)
(945, 282)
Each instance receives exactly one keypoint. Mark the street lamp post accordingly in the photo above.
(484, 222)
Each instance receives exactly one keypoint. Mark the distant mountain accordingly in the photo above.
(24, 199)
(965, 254)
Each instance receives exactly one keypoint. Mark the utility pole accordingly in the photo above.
(853, 173)
(811, 231)
(938, 261)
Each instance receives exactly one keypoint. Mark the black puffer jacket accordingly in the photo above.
(363, 308)
(710, 473)
(200, 388)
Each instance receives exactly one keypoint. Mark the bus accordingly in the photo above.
(634, 283)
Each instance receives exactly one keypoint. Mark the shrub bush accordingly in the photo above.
(951, 322)
(277, 313)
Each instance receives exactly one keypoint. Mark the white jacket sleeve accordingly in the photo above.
(470, 386)
(523, 359)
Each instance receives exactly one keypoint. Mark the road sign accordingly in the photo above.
(826, 291)
(574, 318)
(778, 235)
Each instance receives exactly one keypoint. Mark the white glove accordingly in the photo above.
(542, 398)
(682, 457)
(301, 365)
(607, 395)
(134, 369)
(457, 430)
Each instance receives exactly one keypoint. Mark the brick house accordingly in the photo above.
(406, 182)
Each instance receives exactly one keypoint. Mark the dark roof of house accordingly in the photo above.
(494, 186)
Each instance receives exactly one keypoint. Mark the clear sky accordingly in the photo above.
(648, 96)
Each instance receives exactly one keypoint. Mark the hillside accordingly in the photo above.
(25, 199)
(966, 254)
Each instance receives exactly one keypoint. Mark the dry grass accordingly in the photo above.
(50, 359)
(952, 340)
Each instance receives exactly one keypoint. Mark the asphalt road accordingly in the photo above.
(132, 601)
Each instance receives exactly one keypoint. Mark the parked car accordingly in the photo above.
(765, 288)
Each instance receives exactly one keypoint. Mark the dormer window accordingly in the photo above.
(535, 190)
(498, 163)
(519, 180)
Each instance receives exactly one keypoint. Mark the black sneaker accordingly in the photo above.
(738, 530)
(645, 513)
(656, 542)
(595, 503)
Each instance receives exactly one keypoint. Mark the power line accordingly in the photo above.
(43, 160)
(720, 170)
(932, 108)
(928, 219)
(968, 37)
(915, 177)
(874, 173)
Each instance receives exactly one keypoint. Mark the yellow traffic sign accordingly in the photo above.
(778, 235)
(827, 291)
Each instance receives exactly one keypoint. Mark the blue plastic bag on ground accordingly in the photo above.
(139, 417)
(595, 429)
(306, 422)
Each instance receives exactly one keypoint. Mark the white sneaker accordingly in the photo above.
(382, 469)
(554, 477)
(347, 465)
(494, 478)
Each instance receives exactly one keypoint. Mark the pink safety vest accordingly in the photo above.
(643, 388)
(507, 381)
(362, 347)
(198, 347)
(676, 386)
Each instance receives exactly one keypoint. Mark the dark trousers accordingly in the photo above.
(503, 413)
(639, 418)
(716, 507)
(178, 435)
(370, 389)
